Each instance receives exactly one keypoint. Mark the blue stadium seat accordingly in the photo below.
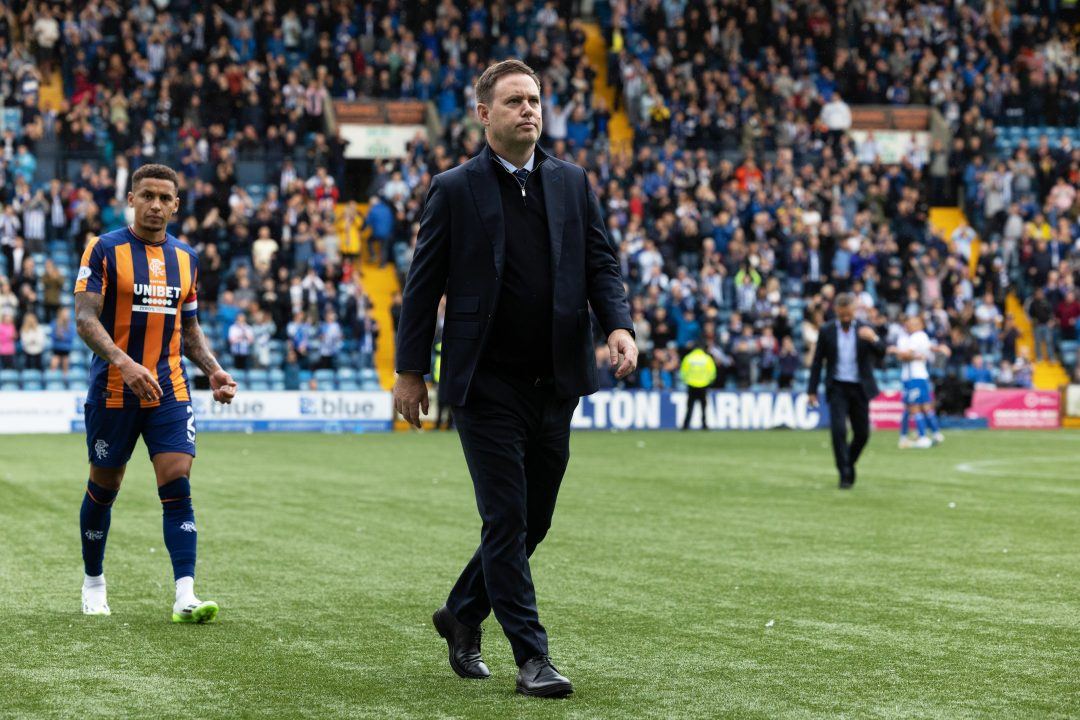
(346, 373)
(259, 385)
(348, 385)
(370, 386)
(258, 375)
(9, 376)
(55, 385)
(325, 378)
(240, 376)
(368, 374)
(33, 385)
(277, 385)
(51, 375)
(31, 376)
(277, 375)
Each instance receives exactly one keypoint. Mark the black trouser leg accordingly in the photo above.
(859, 412)
(838, 415)
(516, 443)
(694, 397)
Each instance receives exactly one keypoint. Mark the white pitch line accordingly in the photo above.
(973, 468)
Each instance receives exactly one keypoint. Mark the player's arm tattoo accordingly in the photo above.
(88, 307)
(196, 349)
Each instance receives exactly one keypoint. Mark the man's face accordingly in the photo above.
(155, 201)
(513, 118)
(845, 314)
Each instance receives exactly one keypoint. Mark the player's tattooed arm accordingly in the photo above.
(196, 349)
(88, 307)
(88, 324)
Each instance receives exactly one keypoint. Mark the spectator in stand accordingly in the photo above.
(1042, 320)
(836, 117)
(331, 340)
(988, 318)
(1067, 313)
(63, 339)
(32, 340)
(977, 373)
(380, 220)
(241, 340)
(788, 363)
(9, 334)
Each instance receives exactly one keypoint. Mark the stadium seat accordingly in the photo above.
(258, 375)
(258, 385)
(240, 376)
(51, 375)
(348, 385)
(325, 379)
(368, 374)
(36, 376)
(33, 385)
(56, 385)
(9, 376)
(346, 373)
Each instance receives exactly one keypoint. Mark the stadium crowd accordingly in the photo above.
(743, 208)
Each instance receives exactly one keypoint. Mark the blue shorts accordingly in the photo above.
(111, 433)
(917, 392)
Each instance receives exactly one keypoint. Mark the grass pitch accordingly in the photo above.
(703, 576)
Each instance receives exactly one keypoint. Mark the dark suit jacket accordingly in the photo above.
(827, 351)
(460, 250)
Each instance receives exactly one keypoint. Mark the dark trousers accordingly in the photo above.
(848, 401)
(516, 438)
(696, 396)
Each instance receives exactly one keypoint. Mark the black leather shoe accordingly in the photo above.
(464, 644)
(539, 678)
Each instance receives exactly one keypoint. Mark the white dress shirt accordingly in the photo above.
(847, 356)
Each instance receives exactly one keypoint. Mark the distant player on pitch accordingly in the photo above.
(915, 350)
(135, 308)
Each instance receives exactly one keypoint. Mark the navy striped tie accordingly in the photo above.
(522, 175)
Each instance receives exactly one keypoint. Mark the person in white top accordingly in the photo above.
(836, 117)
(915, 350)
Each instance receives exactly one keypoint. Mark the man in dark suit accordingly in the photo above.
(849, 349)
(516, 240)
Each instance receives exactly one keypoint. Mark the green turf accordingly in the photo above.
(707, 575)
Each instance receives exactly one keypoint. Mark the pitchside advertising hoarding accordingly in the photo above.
(347, 412)
(355, 412)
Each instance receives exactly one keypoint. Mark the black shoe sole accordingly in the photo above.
(552, 691)
(450, 653)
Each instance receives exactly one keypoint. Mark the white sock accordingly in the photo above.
(92, 581)
(185, 590)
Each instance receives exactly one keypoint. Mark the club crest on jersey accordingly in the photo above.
(157, 268)
(101, 449)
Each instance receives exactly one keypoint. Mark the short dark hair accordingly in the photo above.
(155, 172)
(485, 84)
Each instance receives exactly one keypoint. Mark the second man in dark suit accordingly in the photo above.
(848, 349)
(516, 240)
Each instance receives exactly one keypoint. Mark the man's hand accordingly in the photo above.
(867, 334)
(140, 380)
(619, 343)
(812, 400)
(223, 385)
(411, 397)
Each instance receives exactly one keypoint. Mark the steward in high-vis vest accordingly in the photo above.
(698, 371)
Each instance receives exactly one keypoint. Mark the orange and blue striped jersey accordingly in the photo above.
(147, 289)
